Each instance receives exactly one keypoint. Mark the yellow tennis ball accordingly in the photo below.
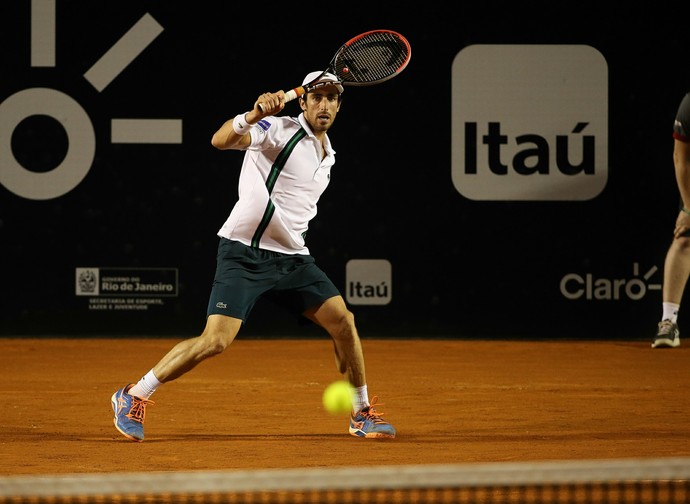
(337, 398)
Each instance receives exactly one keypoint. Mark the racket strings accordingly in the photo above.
(374, 57)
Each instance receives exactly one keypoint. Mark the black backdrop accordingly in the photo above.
(461, 268)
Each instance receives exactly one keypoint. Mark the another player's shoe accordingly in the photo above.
(129, 413)
(368, 423)
(668, 335)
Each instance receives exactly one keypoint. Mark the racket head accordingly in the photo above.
(371, 58)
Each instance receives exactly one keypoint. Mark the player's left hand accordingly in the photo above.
(682, 225)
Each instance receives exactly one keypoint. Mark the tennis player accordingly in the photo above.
(677, 263)
(262, 251)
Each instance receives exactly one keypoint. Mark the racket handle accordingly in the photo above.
(294, 93)
(289, 95)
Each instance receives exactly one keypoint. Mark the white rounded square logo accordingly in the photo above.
(369, 281)
(529, 122)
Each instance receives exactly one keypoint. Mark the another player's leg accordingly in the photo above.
(676, 272)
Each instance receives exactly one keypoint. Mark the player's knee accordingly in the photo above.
(347, 319)
(214, 344)
(216, 347)
(345, 325)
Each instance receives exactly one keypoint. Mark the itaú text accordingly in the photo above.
(534, 151)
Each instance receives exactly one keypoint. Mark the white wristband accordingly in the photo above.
(240, 124)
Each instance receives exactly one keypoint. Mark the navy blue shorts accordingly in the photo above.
(244, 274)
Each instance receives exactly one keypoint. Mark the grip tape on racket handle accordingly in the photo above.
(294, 93)
(289, 95)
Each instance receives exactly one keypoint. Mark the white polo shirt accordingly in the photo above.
(281, 180)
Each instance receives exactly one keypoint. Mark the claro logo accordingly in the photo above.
(589, 287)
(69, 113)
(529, 122)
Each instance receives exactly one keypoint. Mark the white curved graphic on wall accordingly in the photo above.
(65, 109)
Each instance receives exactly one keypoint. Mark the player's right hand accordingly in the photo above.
(269, 104)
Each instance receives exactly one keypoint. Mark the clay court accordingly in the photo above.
(258, 405)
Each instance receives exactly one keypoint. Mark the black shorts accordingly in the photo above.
(244, 274)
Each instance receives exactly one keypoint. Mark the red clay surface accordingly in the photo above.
(258, 405)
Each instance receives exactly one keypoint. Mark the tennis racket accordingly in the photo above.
(367, 59)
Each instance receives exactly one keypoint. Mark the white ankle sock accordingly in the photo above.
(360, 399)
(146, 386)
(670, 312)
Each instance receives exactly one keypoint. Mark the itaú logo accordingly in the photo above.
(68, 112)
(529, 122)
(590, 287)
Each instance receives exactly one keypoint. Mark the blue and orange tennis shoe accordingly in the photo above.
(367, 423)
(129, 413)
